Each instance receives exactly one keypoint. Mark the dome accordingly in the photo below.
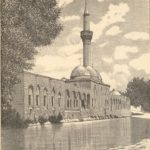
(91, 71)
(81, 72)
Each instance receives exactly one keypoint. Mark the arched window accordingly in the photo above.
(59, 99)
(68, 103)
(79, 95)
(88, 100)
(37, 95)
(83, 100)
(52, 97)
(30, 95)
(68, 98)
(111, 104)
(74, 98)
(77, 103)
(45, 97)
(92, 102)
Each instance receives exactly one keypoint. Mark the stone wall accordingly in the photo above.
(39, 95)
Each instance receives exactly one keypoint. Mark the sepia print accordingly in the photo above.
(75, 75)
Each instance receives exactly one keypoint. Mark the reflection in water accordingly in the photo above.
(78, 136)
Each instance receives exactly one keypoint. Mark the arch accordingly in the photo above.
(59, 99)
(67, 93)
(84, 96)
(88, 100)
(52, 96)
(68, 98)
(83, 100)
(74, 98)
(45, 94)
(79, 95)
(30, 95)
(37, 95)
(92, 102)
(53, 91)
(74, 94)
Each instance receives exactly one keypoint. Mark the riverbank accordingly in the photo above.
(68, 121)
(144, 116)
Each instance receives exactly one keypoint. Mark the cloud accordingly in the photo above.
(113, 31)
(74, 36)
(64, 2)
(121, 69)
(114, 14)
(69, 18)
(69, 49)
(118, 78)
(107, 60)
(56, 66)
(121, 52)
(137, 36)
(103, 44)
(141, 63)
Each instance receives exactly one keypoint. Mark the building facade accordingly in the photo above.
(84, 95)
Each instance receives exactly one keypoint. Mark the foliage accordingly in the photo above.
(138, 90)
(55, 119)
(24, 25)
(42, 120)
(11, 118)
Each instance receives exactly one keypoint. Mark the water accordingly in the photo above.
(125, 133)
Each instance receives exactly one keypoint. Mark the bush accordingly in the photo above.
(28, 121)
(11, 118)
(42, 120)
(59, 117)
(55, 119)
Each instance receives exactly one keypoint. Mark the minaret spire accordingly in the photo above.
(86, 36)
(85, 10)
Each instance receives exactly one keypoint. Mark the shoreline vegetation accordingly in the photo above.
(11, 118)
(59, 120)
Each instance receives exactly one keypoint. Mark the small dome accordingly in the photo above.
(91, 71)
(98, 75)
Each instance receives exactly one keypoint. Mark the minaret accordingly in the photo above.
(86, 36)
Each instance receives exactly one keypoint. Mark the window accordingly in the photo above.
(45, 97)
(52, 101)
(37, 94)
(92, 102)
(68, 99)
(88, 100)
(37, 100)
(30, 95)
(29, 99)
(44, 100)
(59, 99)
(76, 103)
(68, 103)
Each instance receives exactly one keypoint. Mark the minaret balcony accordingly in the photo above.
(86, 35)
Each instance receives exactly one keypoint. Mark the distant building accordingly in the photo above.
(83, 95)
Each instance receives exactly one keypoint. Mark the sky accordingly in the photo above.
(120, 44)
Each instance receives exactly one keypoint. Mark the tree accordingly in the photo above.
(25, 25)
(138, 91)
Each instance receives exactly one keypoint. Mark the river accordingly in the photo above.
(114, 134)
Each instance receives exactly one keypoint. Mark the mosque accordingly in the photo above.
(84, 95)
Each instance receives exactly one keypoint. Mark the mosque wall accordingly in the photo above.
(39, 95)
